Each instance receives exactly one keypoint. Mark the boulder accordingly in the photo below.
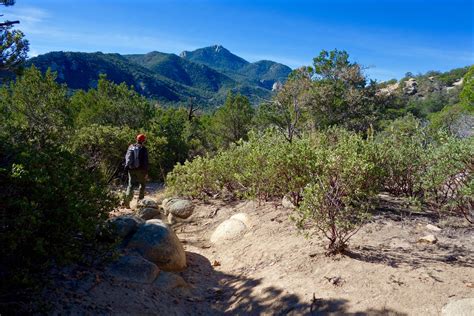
(244, 218)
(125, 225)
(463, 307)
(148, 213)
(167, 281)
(433, 228)
(430, 239)
(133, 268)
(147, 203)
(228, 230)
(180, 208)
(157, 242)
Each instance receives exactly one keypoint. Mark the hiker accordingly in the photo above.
(136, 162)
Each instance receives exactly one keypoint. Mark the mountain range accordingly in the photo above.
(205, 75)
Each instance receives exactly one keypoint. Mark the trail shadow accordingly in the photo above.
(398, 209)
(223, 294)
(452, 255)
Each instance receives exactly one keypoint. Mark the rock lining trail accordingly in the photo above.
(270, 268)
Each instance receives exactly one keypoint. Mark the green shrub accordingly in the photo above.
(103, 147)
(337, 200)
(111, 104)
(196, 179)
(402, 148)
(265, 167)
(35, 109)
(51, 208)
(449, 178)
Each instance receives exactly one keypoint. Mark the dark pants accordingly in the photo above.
(135, 177)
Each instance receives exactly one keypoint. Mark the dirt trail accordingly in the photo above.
(274, 270)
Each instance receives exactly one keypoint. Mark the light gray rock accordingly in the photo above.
(433, 228)
(157, 242)
(181, 208)
(147, 202)
(411, 87)
(228, 230)
(286, 203)
(148, 213)
(167, 281)
(125, 225)
(244, 218)
(133, 268)
(463, 307)
(429, 239)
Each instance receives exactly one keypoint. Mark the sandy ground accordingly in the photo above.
(275, 270)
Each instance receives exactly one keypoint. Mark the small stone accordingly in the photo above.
(133, 269)
(228, 230)
(148, 213)
(147, 202)
(286, 203)
(168, 281)
(180, 208)
(430, 239)
(433, 228)
(125, 225)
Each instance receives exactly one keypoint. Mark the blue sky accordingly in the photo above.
(388, 37)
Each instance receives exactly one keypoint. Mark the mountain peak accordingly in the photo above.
(216, 56)
(218, 48)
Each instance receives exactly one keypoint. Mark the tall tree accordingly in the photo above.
(341, 94)
(13, 45)
(113, 105)
(36, 108)
(288, 111)
(233, 120)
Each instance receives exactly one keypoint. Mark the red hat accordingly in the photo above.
(141, 138)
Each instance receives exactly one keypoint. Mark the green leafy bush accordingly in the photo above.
(402, 148)
(35, 108)
(103, 147)
(337, 199)
(267, 166)
(111, 104)
(51, 208)
(448, 181)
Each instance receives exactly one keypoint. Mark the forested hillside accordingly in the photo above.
(168, 78)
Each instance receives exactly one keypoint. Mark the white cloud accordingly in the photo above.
(29, 17)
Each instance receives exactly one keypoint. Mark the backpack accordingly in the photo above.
(131, 157)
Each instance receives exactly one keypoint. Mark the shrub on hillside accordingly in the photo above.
(448, 182)
(337, 200)
(402, 148)
(265, 167)
(51, 208)
(103, 147)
